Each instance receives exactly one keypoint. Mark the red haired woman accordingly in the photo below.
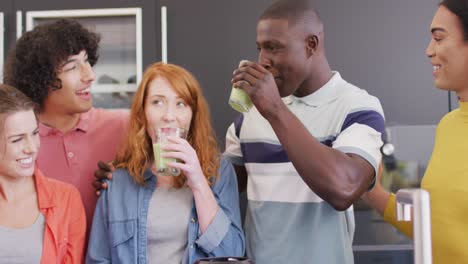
(143, 217)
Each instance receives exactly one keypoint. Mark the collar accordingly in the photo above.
(463, 107)
(45, 193)
(148, 174)
(82, 125)
(328, 92)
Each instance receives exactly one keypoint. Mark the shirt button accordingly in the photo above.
(70, 154)
(191, 245)
(193, 220)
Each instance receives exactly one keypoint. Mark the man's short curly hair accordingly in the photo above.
(32, 65)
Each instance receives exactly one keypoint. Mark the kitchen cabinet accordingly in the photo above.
(119, 68)
(209, 38)
(6, 30)
(127, 32)
(149, 39)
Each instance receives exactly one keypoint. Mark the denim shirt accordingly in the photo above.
(118, 233)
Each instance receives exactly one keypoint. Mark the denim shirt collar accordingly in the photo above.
(148, 175)
(126, 218)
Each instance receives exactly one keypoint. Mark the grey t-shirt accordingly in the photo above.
(23, 245)
(167, 226)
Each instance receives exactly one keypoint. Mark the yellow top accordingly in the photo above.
(446, 179)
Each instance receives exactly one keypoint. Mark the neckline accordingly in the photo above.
(39, 220)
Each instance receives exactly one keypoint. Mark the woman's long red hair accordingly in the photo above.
(137, 154)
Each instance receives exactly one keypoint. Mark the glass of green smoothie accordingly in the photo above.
(159, 141)
(239, 99)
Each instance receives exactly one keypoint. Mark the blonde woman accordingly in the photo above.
(42, 220)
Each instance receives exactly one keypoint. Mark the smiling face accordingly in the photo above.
(76, 75)
(19, 143)
(165, 108)
(282, 52)
(448, 52)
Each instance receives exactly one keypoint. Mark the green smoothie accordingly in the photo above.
(240, 100)
(161, 165)
(160, 161)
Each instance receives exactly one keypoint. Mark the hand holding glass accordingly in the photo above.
(239, 99)
(159, 141)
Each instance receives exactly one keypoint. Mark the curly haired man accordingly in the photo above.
(53, 65)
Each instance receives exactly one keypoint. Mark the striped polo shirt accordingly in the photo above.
(286, 222)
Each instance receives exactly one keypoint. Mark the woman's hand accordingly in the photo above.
(205, 202)
(189, 164)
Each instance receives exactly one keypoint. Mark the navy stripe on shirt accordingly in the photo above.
(238, 124)
(366, 117)
(260, 152)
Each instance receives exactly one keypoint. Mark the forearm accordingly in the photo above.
(333, 175)
(384, 203)
(224, 236)
(205, 204)
(377, 198)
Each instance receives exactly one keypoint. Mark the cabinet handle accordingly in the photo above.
(2, 34)
(164, 34)
(19, 24)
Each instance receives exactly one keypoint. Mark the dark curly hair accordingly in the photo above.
(32, 65)
(460, 9)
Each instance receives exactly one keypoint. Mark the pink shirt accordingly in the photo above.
(73, 157)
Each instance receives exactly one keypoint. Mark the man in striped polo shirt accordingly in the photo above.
(308, 149)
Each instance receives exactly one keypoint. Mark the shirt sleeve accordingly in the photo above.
(390, 216)
(215, 232)
(233, 150)
(363, 141)
(361, 134)
(225, 236)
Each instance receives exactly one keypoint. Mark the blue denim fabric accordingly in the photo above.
(118, 234)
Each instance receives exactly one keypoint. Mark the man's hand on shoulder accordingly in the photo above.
(103, 173)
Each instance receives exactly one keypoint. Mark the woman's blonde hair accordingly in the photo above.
(13, 100)
(136, 153)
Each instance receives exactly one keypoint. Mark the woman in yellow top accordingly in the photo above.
(446, 177)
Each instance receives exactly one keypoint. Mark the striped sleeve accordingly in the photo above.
(233, 150)
(361, 134)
